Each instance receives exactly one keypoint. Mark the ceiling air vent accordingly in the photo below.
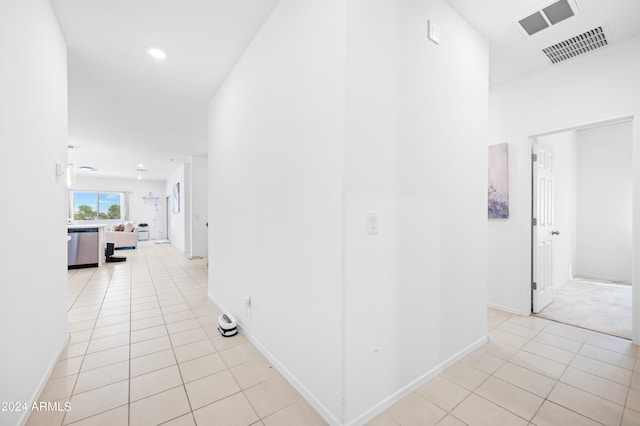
(549, 15)
(576, 46)
(533, 23)
(558, 12)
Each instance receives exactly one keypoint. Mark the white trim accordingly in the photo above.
(616, 119)
(43, 382)
(306, 394)
(612, 280)
(377, 408)
(406, 390)
(635, 273)
(506, 309)
(343, 293)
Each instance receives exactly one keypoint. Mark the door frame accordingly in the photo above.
(167, 213)
(527, 228)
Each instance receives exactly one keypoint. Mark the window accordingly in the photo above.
(96, 205)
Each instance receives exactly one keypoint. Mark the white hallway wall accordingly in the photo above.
(33, 131)
(299, 155)
(141, 210)
(276, 135)
(595, 87)
(604, 247)
(414, 153)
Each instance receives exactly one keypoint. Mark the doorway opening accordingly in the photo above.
(582, 227)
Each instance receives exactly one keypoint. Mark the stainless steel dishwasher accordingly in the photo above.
(83, 247)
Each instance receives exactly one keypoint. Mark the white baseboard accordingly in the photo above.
(607, 280)
(43, 381)
(306, 394)
(406, 390)
(505, 308)
(377, 408)
(293, 380)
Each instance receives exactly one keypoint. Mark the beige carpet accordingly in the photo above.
(596, 306)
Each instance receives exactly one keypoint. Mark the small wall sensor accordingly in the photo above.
(247, 306)
(434, 32)
(372, 223)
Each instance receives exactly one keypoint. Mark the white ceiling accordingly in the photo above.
(126, 108)
(513, 55)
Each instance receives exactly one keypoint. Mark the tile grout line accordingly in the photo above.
(227, 368)
(217, 352)
(508, 360)
(130, 332)
(546, 398)
(568, 365)
(558, 380)
(184, 387)
(113, 270)
(90, 339)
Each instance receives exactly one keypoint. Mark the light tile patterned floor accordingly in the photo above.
(145, 350)
(532, 372)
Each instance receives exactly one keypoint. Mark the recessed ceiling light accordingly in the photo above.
(156, 53)
(139, 178)
(141, 166)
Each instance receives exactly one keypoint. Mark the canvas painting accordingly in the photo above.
(499, 181)
(176, 198)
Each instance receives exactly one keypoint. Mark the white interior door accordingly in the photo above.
(543, 222)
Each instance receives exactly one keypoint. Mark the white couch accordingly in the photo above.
(122, 239)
